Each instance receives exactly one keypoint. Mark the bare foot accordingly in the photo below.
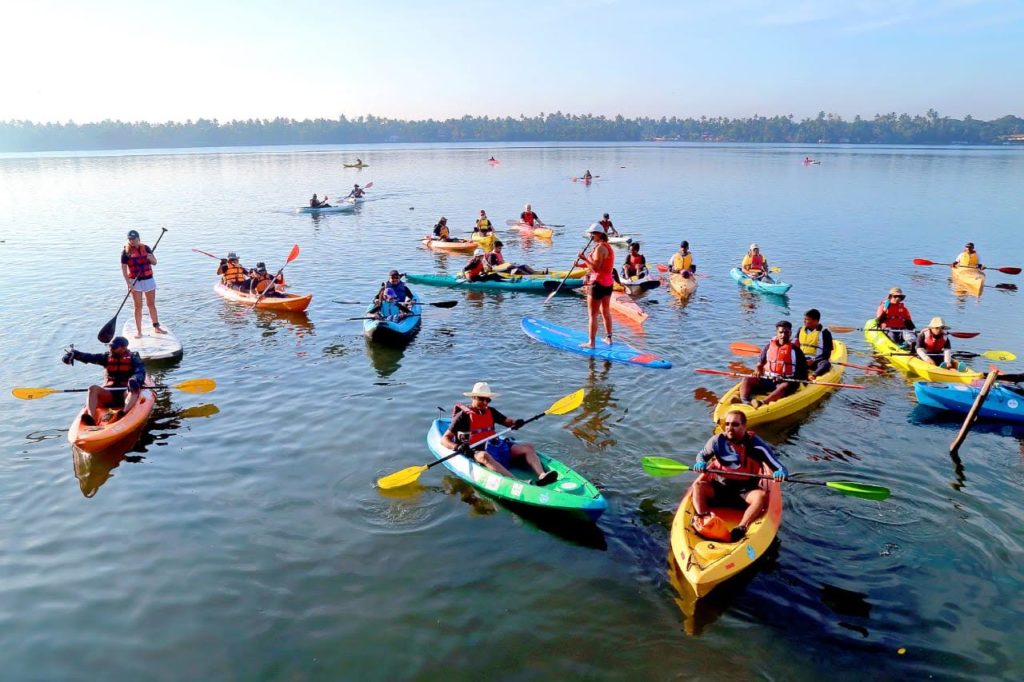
(159, 330)
(138, 336)
(586, 345)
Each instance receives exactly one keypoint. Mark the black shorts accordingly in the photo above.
(599, 291)
(733, 493)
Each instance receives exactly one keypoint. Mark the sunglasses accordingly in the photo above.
(480, 397)
(897, 297)
(734, 423)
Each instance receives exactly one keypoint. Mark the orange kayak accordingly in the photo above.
(291, 302)
(106, 435)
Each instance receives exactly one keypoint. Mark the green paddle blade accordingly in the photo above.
(566, 404)
(662, 466)
(862, 490)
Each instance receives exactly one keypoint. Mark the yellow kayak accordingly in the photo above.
(706, 563)
(798, 401)
(971, 280)
(682, 286)
(911, 364)
(578, 273)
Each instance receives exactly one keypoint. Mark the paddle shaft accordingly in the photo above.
(113, 321)
(206, 253)
(798, 381)
(569, 271)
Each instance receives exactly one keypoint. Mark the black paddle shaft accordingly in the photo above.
(107, 332)
(481, 442)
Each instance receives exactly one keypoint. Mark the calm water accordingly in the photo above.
(252, 543)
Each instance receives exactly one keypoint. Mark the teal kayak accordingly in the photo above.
(532, 284)
(570, 494)
(568, 339)
(771, 287)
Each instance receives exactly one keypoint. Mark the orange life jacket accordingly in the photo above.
(896, 315)
(933, 344)
(475, 267)
(528, 218)
(233, 272)
(781, 360)
(139, 266)
(748, 465)
(119, 369)
(481, 426)
(756, 262)
(605, 223)
(636, 259)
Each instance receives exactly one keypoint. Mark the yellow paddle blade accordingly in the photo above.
(32, 393)
(999, 355)
(197, 385)
(566, 404)
(400, 478)
(205, 410)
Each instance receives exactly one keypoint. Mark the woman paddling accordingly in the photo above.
(601, 263)
(137, 261)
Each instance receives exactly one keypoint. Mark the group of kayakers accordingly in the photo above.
(356, 193)
(251, 281)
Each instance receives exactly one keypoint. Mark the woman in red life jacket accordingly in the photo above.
(137, 261)
(636, 264)
(477, 269)
(893, 318)
(739, 450)
(528, 217)
(781, 359)
(601, 262)
(933, 345)
(124, 369)
(606, 223)
(474, 423)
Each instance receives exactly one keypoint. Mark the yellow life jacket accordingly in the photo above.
(967, 260)
(483, 224)
(681, 262)
(811, 342)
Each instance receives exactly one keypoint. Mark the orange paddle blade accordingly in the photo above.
(741, 348)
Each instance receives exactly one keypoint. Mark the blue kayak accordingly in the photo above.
(762, 285)
(568, 339)
(1002, 403)
(394, 325)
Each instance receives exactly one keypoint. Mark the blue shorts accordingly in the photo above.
(501, 450)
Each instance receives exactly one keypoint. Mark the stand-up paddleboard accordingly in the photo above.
(564, 338)
(151, 346)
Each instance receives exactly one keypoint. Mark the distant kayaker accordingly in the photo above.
(496, 262)
(317, 203)
(137, 261)
(968, 258)
(636, 263)
(475, 422)
(528, 217)
(933, 345)
(781, 360)
(601, 263)
(232, 274)
(441, 230)
(395, 291)
(587, 175)
(476, 269)
(359, 162)
(356, 193)
(893, 318)
(124, 369)
(755, 265)
(606, 223)
(492, 159)
(816, 342)
(483, 223)
(741, 451)
(682, 261)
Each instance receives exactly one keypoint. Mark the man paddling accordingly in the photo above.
(317, 203)
(781, 360)
(933, 345)
(893, 318)
(606, 223)
(682, 261)
(474, 422)
(968, 258)
(528, 217)
(124, 369)
(816, 343)
(394, 291)
(739, 450)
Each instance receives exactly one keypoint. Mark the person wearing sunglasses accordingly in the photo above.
(893, 318)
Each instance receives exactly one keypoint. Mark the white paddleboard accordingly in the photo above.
(151, 346)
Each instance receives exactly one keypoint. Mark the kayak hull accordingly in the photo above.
(705, 563)
(529, 231)
(571, 494)
(911, 365)
(757, 285)
(623, 305)
(800, 400)
(971, 280)
(356, 165)
(152, 346)
(394, 328)
(1001, 404)
(564, 338)
(290, 302)
(343, 206)
(509, 284)
(105, 436)
(684, 287)
(458, 245)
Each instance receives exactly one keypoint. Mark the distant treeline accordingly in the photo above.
(828, 128)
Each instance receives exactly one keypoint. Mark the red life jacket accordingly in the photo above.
(494, 258)
(528, 218)
(481, 426)
(636, 259)
(748, 465)
(781, 360)
(475, 267)
(757, 262)
(933, 344)
(604, 275)
(139, 266)
(605, 223)
(119, 369)
(896, 315)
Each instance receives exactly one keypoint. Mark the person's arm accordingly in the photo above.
(800, 371)
(762, 360)
(910, 323)
(459, 425)
(150, 256)
(919, 346)
(880, 313)
(90, 358)
(703, 458)
(827, 346)
(500, 418)
(763, 452)
(139, 372)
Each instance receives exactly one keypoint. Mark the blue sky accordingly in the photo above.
(188, 59)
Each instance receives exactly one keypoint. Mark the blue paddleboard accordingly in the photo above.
(567, 339)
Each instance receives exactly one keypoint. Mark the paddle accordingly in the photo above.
(206, 253)
(592, 177)
(664, 466)
(107, 331)
(513, 221)
(189, 386)
(1006, 269)
(847, 330)
(567, 272)
(799, 381)
(997, 355)
(409, 474)
(364, 188)
(436, 304)
(291, 256)
(664, 268)
(741, 348)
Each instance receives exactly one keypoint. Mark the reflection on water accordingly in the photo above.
(591, 422)
(386, 359)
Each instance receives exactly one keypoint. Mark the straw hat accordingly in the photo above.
(481, 389)
(937, 323)
(896, 291)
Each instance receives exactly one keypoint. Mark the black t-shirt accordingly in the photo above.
(461, 423)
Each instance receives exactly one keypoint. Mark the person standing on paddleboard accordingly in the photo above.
(601, 263)
(137, 261)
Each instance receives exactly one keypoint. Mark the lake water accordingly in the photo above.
(253, 544)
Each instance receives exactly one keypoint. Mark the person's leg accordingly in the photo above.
(137, 300)
(527, 451)
(486, 460)
(779, 391)
(154, 318)
(755, 507)
(593, 309)
(92, 402)
(747, 387)
(606, 311)
(703, 492)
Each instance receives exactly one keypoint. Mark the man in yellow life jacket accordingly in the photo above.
(124, 371)
(682, 260)
(472, 433)
(816, 342)
(968, 258)
(780, 368)
(232, 274)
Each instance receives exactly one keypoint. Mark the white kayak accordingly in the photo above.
(151, 346)
(621, 240)
(343, 206)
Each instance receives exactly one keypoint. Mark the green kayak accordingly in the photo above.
(541, 286)
(569, 494)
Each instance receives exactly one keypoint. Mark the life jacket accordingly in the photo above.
(605, 223)
(604, 275)
(754, 262)
(483, 224)
(528, 218)
(681, 262)
(967, 260)
(233, 272)
(397, 291)
(781, 360)
(812, 342)
(475, 267)
(139, 266)
(726, 452)
(896, 315)
(119, 369)
(933, 345)
(441, 231)
(480, 425)
(494, 258)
